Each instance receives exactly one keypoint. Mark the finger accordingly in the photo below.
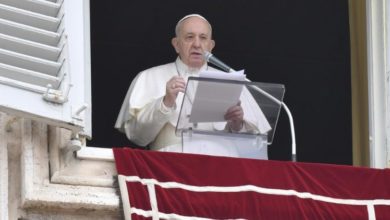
(181, 82)
(236, 115)
(234, 109)
(180, 85)
(175, 82)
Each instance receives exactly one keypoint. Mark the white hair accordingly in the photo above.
(190, 16)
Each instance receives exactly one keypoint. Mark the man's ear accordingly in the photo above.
(175, 43)
(212, 45)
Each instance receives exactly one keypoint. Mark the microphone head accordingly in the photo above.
(207, 55)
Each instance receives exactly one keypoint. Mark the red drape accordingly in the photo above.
(186, 185)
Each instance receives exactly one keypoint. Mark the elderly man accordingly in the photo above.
(151, 108)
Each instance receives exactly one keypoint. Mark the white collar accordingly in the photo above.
(183, 69)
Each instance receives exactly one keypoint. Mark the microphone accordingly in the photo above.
(209, 57)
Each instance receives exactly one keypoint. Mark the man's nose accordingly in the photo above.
(197, 42)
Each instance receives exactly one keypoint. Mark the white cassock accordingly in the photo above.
(146, 121)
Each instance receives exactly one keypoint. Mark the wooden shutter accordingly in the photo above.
(45, 61)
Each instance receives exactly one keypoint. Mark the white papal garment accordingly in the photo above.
(147, 121)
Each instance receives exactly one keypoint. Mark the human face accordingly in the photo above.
(193, 38)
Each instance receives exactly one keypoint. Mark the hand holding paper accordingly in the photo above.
(235, 117)
(217, 102)
(213, 99)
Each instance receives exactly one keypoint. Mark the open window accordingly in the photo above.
(45, 61)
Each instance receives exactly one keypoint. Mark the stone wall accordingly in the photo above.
(41, 177)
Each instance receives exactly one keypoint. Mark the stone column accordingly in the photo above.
(3, 170)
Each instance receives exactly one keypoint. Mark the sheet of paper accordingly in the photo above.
(213, 99)
(237, 75)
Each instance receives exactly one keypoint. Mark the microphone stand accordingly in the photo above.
(209, 57)
(292, 129)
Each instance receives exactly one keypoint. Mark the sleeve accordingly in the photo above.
(247, 127)
(147, 122)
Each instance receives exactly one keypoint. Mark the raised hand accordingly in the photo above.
(175, 85)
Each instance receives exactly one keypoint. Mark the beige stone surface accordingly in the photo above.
(42, 178)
